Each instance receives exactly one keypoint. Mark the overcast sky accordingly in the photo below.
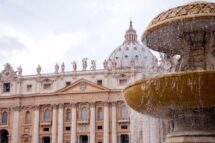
(46, 32)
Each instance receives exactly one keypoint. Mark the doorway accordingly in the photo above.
(4, 136)
(124, 138)
(83, 139)
(46, 140)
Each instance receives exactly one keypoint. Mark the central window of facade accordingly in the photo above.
(99, 114)
(84, 114)
(47, 115)
(68, 115)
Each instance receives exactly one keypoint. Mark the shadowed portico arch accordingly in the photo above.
(4, 136)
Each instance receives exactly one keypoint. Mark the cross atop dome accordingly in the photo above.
(130, 35)
(130, 26)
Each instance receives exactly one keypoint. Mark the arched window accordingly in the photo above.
(99, 114)
(68, 115)
(47, 115)
(27, 117)
(84, 114)
(4, 118)
(124, 112)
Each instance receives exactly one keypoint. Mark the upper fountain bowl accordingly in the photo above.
(165, 31)
(159, 96)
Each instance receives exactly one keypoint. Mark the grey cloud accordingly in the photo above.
(10, 46)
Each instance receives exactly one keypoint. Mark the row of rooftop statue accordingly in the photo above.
(165, 64)
(62, 66)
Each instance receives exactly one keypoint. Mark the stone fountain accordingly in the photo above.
(187, 97)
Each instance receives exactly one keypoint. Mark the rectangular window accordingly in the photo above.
(6, 87)
(124, 127)
(47, 86)
(123, 81)
(67, 128)
(45, 129)
(29, 87)
(99, 82)
(68, 83)
(99, 127)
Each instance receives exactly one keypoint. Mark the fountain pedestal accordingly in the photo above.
(194, 125)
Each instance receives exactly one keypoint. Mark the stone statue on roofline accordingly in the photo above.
(74, 65)
(84, 64)
(38, 69)
(62, 67)
(105, 64)
(93, 65)
(56, 68)
(19, 70)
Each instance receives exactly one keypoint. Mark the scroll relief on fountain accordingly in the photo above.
(188, 95)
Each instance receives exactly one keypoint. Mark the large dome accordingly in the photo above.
(131, 53)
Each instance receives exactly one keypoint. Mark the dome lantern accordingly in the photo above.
(130, 35)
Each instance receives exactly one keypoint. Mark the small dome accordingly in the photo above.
(131, 53)
(198, 9)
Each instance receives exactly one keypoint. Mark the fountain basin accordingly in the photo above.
(162, 95)
(187, 30)
(168, 31)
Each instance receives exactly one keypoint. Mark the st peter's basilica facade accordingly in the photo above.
(78, 106)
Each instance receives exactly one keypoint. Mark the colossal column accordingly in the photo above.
(114, 134)
(154, 130)
(146, 128)
(36, 124)
(15, 129)
(92, 123)
(73, 124)
(106, 122)
(60, 123)
(54, 124)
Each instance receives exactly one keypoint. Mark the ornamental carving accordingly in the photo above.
(8, 74)
(28, 107)
(36, 107)
(186, 11)
(54, 106)
(83, 86)
(61, 105)
(16, 108)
